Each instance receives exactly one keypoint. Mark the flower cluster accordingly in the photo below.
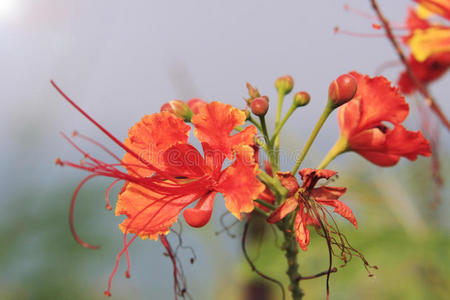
(165, 176)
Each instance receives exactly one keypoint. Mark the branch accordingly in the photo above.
(420, 87)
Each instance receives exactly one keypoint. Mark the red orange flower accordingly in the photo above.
(161, 139)
(307, 200)
(363, 124)
(164, 174)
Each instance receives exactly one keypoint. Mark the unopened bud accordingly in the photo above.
(342, 89)
(284, 84)
(259, 106)
(178, 108)
(252, 92)
(195, 104)
(301, 99)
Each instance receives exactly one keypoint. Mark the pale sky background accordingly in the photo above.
(120, 60)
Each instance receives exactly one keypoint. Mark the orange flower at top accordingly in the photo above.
(308, 200)
(362, 123)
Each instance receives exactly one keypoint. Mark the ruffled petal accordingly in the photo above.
(379, 102)
(311, 176)
(239, 183)
(283, 210)
(301, 232)
(214, 123)
(200, 215)
(409, 144)
(150, 137)
(150, 214)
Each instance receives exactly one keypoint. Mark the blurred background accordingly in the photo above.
(122, 59)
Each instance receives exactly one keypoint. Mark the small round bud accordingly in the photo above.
(301, 99)
(178, 108)
(259, 106)
(342, 89)
(284, 84)
(195, 104)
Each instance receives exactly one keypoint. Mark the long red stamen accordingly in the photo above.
(108, 190)
(76, 133)
(71, 212)
(357, 34)
(113, 138)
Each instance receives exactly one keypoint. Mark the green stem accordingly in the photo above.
(265, 204)
(276, 141)
(275, 186)
(261, 211)
(254, 122)
(280, 126)
(291, 251)
(326, 112)
(267, 140)
(339, 147)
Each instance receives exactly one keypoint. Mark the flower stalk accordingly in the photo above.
(326, 112)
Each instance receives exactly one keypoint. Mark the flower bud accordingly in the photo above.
(342, 89)
(259, 106)
(284, 84)
(301, 99)
(195, 104)
(178, 108)
(252, 92)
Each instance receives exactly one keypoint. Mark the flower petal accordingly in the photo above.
(427, 71)
(409, 144)
(348, 117)
(439, 7)
(184, 160)
(433, 40)
(149, 214)
(301, 232)
(201, 214)
(150, 137)
(368, 139)
(239, 183)
(289, 182)
(283, 210)
(342, 209)
(327, 193)
(379, 102)
(214, 123)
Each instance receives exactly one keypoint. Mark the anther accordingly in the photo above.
(127, 274)
(59, 162)
(107, 293)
